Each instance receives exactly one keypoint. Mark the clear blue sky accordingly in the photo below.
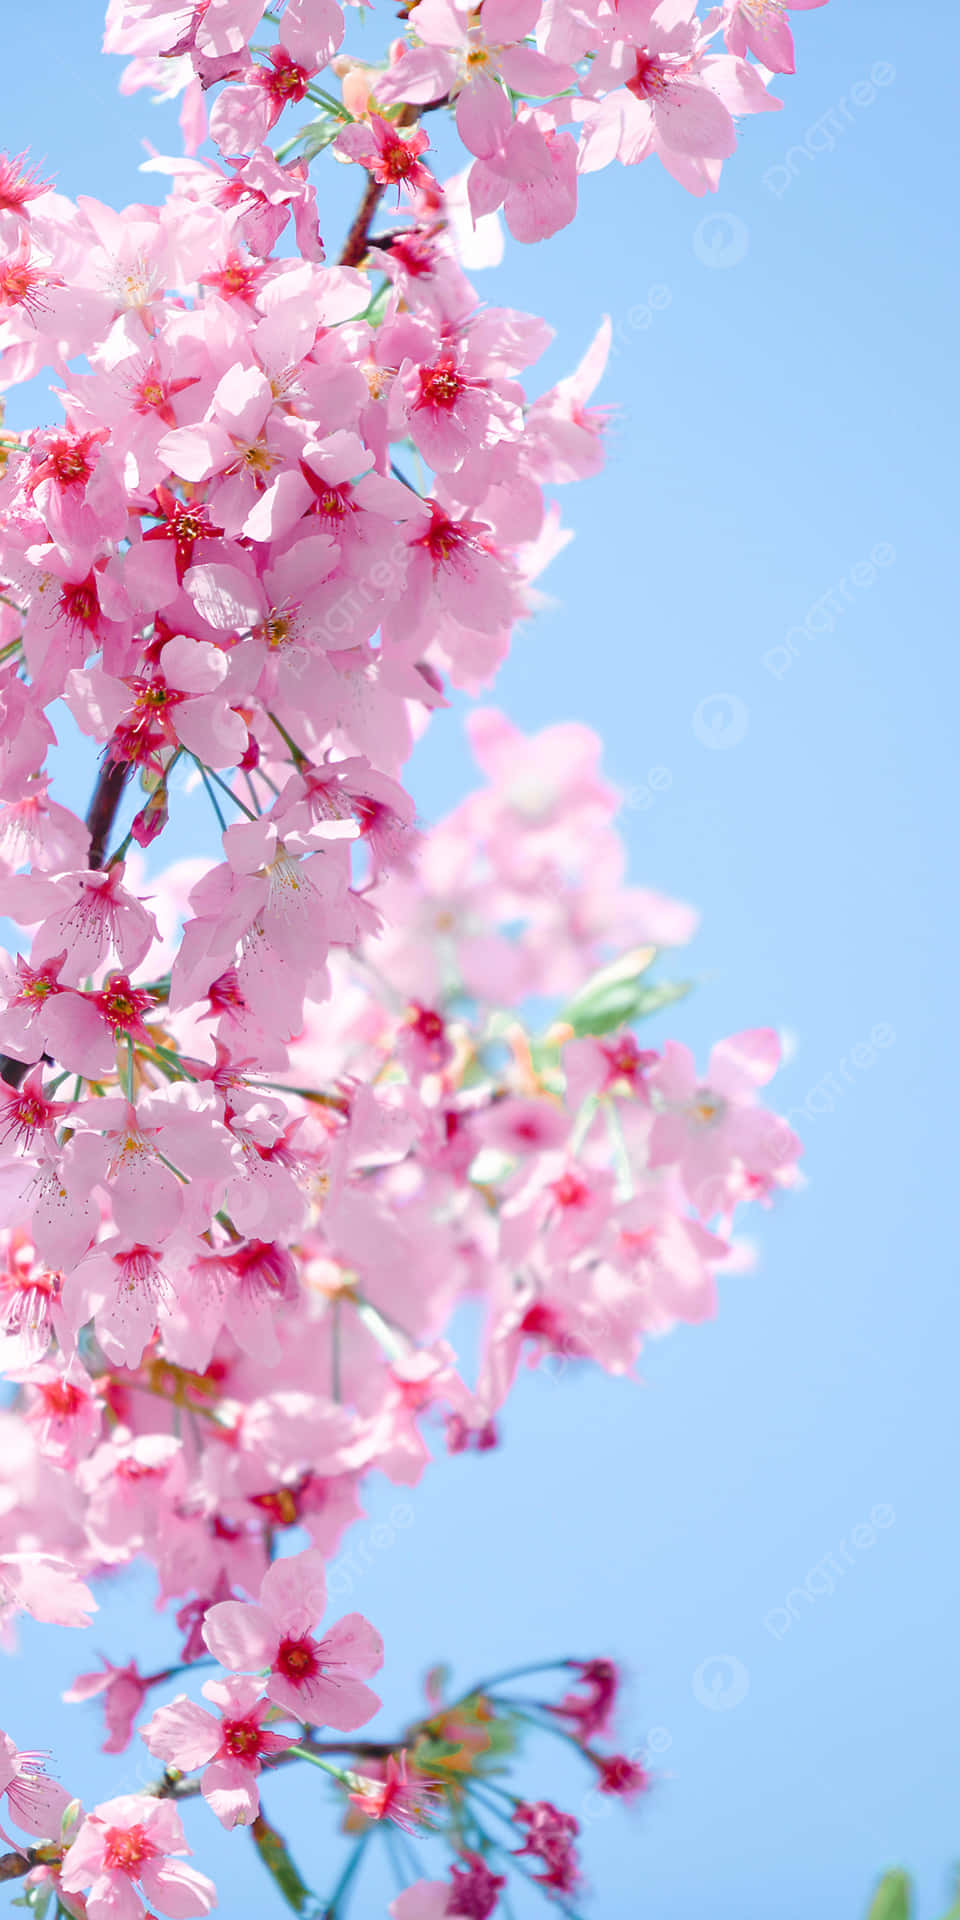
(782, 416)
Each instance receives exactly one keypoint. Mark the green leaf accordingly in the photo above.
(312, 139)
(893, 1898)
(615, 998)
(374, 313)
(275, 1855)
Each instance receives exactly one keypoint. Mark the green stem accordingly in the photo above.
(343, 1884)
(211, 796)
(391, 1340)
(252, 791)
(164, 1055)
(304, 1753)
(515, 1673)
(169, 1163)
(300, 759)
(621, 1157)
(336, 1100)
(583, 1123)
(322, 99)
(225, 788)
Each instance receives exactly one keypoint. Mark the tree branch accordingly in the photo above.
(101, 814)
(102, 810)
(357, 240)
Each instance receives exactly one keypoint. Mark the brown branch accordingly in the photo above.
(101, 814)
(357, 240)
(102, 810)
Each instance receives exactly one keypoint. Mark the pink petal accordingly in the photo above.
(230, 1791)
(484, 116)
(355, 1645)
(183, 1734)
(225, 597)
(240, 1635)
(195, 666)
(746, 1060)
(38, 1805)
(425, 1900)
(294, 1591)
(177, 1890)
(692, 120)
(211, 730)
(326, 1701)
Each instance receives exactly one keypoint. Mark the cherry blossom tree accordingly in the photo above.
(267, 1119)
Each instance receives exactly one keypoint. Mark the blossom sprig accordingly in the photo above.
(268, 1115)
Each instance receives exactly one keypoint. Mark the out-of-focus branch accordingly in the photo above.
(101, 814)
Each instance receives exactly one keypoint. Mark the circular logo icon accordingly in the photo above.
(659, 1739)
(721, 240)
(721, 720)
(721, 1682)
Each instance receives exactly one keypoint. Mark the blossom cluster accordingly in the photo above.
(268, 1117)
(540, 90)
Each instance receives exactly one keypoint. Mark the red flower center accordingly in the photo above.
(651, 77)
(331, 503)
(297, 1659)
(126, 1848)
(18, 284)
(288, 82)
(60, 1398)
(441, 385)
(79, 602)
(570, 1191)
(396, 162)
(241, 1739)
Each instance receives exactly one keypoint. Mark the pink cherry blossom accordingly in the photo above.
(231, 1748)
(124, 1690)
(320, 1681)
(269, 1115)
(760, 27)
(128, 1852)
(35, 1803)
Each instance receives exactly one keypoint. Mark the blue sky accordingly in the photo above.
(781, 416)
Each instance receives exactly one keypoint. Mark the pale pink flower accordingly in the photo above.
(231, 1747)
(714, 1129)
(88, 916)
(124, 1690)
(127, 1854)
(319, 1681)
(390, 156)
(45, 1586)
(533, 176)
